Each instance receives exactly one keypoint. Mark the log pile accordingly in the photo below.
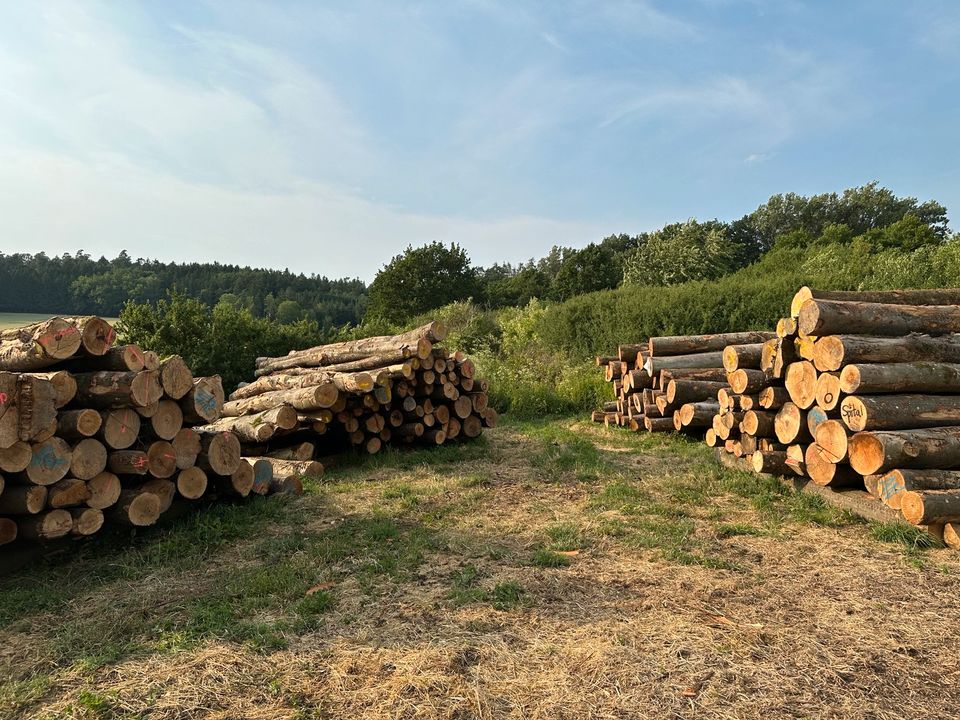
(400, 389)
(94, 433)
(854, 391)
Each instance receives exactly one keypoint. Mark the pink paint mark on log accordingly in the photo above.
(3, 398)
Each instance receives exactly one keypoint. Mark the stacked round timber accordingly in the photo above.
(38, 346)
(946, 296)
(833, 352)
(832, 317)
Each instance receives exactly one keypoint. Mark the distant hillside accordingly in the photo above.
(80, 284)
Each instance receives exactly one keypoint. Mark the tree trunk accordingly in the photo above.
(680, 392)
(220, 453)
(78, 424)
(298, 468)
(896, 412)
(926, 507)
(698, 414)
(309, 398)
(37, 346)
(655, 424)
(135, 507)
(96, 334)
(69, 492)
(831, 317)
(827, 390)
(748, 382)
(192, 482)
(759, 423)
(742, 356)
(835, 351)
(801, 383)
(878, 452)
(203, 403)
(15, 458)
(128, 462)
(296, 378)
(88, 459)
(773, 462)
(655, 364)
(186, 445)
(685, 344)
(790, 425)
(104, 490)
(415, 343)
(119, 428)
(773, 397)
(63, 383)
(50, 525)
(109, 389)
(946, 296)
(86, 521)
(50, 461)
(123, 358)
(893, 484)
(827, 474)
(931, 377)
(716, 374)
(23, 499)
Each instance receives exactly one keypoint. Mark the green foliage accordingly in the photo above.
(222, 340)
(420, 279)
(682, 252)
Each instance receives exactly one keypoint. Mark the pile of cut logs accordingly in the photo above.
(360, 393)
(855, 390)
(92, 432)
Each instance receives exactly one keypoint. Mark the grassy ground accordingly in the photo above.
(551, 570)
(11, 320)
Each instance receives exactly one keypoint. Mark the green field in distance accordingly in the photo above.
(9, 320)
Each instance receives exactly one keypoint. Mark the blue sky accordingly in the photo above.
(326, 136)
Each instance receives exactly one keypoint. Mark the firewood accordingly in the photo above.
(151, 361)
(711, 374)
(680, 392)
(747, 382)
(790, 424)
(835, 351)
(304, 450)
(164, 490)
(96, 334)
(63, 383)
(309, 398)
(931, 377)
(816, 416)
(951, 535)
(293, 379)
(655, 364)
(773, 462)
(8, 530)
(773, 397)
(759, 423)
(124, 358)
(128, 462)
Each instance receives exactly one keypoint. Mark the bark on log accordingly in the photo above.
(835, 351)
(135, 507)
(23, 499)
(831, 317)
(15, 458)
(897, 412)
(37, 346)
(240, 483)
(878, 452)
(219, 453)
(698, 414)
(716, 374)
(759, 423)
(69, 492)
(50, 525)
(64, 385)
(773, 462)
(192, 482)
(256, 428)
(893, 484)
(104, 491)
(204, 402)
(655, 424)
(119, 428)
(828, 474)
(128, 462)
(768, 355)
(123, 358)
(296, 468)
(655, 364)
(302, 451)
(945, 296)
(86, 521)
(107, 389)
(742, 356)
(78, 424)
(164, 490)
(934, 377)
(828, 391)
(685, 344)
(186, 445)
(309, 398)
(926, 507)
(801, 383)
(175, 377)
(88, 459)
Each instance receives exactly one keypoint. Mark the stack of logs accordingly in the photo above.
(367, 393)
(92, 432)
(855, 390)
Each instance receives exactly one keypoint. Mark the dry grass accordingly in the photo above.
(681, 590)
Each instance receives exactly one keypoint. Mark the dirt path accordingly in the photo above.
(554, 570)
